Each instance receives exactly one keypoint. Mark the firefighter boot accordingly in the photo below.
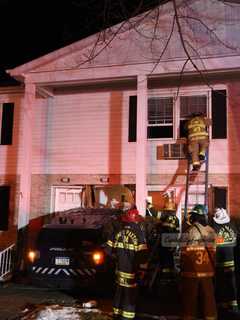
(196, 166)
(202, 157)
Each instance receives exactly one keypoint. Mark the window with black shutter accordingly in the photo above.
(132, 121)
(4, 207)
(219, 114)
(167, 117)
(6, 122)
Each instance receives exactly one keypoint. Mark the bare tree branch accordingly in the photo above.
(180, 79)
(155, 37)
(183, 42)
(166, 44)
(211, 31)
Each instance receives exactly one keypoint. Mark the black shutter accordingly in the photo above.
(220, 197)
(7, 123)
(219, 114)
(132, 123)
(4, 207)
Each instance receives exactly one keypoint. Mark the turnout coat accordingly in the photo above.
(128, 246)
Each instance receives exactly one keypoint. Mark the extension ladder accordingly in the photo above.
(196, 186)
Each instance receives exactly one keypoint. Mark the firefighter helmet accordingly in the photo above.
(132, 215)
(199, 209)
(199, 214)
(221, 216)
(170, 221)
(169, 202)
(197, 114)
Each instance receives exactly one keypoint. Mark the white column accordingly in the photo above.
(26, 156)
(141, 145)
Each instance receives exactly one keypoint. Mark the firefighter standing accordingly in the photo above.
(169, 229)
(198, 139)
(128, 246)
(226, 290)
(161, 262)
(197, 266)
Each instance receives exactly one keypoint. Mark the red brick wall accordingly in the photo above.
(234, 147)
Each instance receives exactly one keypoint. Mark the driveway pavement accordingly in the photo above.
(15, 298)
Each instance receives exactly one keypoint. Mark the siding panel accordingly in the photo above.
(80, 131)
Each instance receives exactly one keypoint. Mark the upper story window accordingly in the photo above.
(160, 117)
(167, 115)
(188, 106)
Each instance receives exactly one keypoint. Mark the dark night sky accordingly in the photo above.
(32, 28)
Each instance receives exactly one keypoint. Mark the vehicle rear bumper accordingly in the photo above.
(62, 278)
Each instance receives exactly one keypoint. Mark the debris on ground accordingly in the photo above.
(56, 312)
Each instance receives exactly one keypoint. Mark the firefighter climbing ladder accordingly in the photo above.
(196, 186)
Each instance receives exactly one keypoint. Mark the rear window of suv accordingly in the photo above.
(65, 237)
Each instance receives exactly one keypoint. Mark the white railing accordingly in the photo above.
(6, 263)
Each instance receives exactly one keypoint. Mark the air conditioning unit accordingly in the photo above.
(172, 151)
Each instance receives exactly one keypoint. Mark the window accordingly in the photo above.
(160, 117)
(174, 151)
(167, 115)
(188, 106)
(6, 123)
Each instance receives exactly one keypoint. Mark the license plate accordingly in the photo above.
(62, 261)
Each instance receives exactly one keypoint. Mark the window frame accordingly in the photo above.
(196, 94)
(172, 124)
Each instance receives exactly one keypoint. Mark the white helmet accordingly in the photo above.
(221, 216)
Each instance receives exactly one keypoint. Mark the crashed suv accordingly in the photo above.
(71, 255)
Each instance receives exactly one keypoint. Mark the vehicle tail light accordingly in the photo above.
(33, 255)
(98, 257)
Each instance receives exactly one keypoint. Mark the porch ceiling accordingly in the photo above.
(154, 81)
(88, 86)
